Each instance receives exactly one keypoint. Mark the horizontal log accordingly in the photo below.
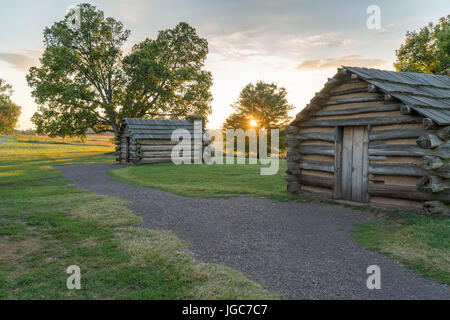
(291, 178)
(404, 169)
(321, 150)
(372, 88)
(442, 151)
(292, 143)
(332, 83)
(431, 162)
(361, 121)
(436, 208)
(159, 128)
(154, 154)
(292, 130)
(394, 134)
(429, 124)
(316, 136)
(153, 142)
(158, 148)
(428, 141)
(381, 108)
(396, 150)
(152, 161)
(443, 172)
(444, 133)
(377, 158)
(317, 165)
(404, 192)
(436, 166)
(350, 91)
(407, 110)
(293, 187)
(316, 181)
(433, 184)
(353, 100)
(291, 156)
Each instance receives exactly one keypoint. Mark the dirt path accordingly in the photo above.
(301, 250)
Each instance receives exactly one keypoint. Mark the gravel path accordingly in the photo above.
(301, 250)
(3, 140)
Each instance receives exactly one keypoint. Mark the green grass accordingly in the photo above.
(211, 181)
(420, 242)
(47, 225)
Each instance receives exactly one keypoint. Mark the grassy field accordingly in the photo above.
(212, 181)
(422, 243)
(46, 225)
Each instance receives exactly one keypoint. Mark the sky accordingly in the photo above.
(297, 44)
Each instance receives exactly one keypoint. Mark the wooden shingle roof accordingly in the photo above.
(155, 128)
(427, 94)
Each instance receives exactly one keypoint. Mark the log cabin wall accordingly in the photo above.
(148, 141)
(391, 155)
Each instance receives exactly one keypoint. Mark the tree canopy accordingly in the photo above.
(9, 111)
(260, 105)
(426, 51)
(85, 81)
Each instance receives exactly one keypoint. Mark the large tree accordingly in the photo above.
(9, 111)
(426, 51)
(260, 105)
(84, 80)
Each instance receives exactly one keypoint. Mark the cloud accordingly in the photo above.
(241, 45)
(22, 60)
(333, 63)
(330, 39)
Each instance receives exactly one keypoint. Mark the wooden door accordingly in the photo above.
(355, 163)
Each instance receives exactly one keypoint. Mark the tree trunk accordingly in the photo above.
(115, 129)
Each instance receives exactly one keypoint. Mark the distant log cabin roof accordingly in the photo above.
(155, 128)
(427, 94)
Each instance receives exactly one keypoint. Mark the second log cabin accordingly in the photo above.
(148, 141)
(375, 136)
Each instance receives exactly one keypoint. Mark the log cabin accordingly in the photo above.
(376, 137)
(147, 141)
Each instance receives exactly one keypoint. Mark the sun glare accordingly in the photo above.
(253, 123)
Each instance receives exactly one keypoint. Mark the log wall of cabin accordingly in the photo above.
(394, 156)
(157, 151)
(148, 151)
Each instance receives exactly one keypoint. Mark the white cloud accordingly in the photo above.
(21, 59)
(239, 46)
(333, 63)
